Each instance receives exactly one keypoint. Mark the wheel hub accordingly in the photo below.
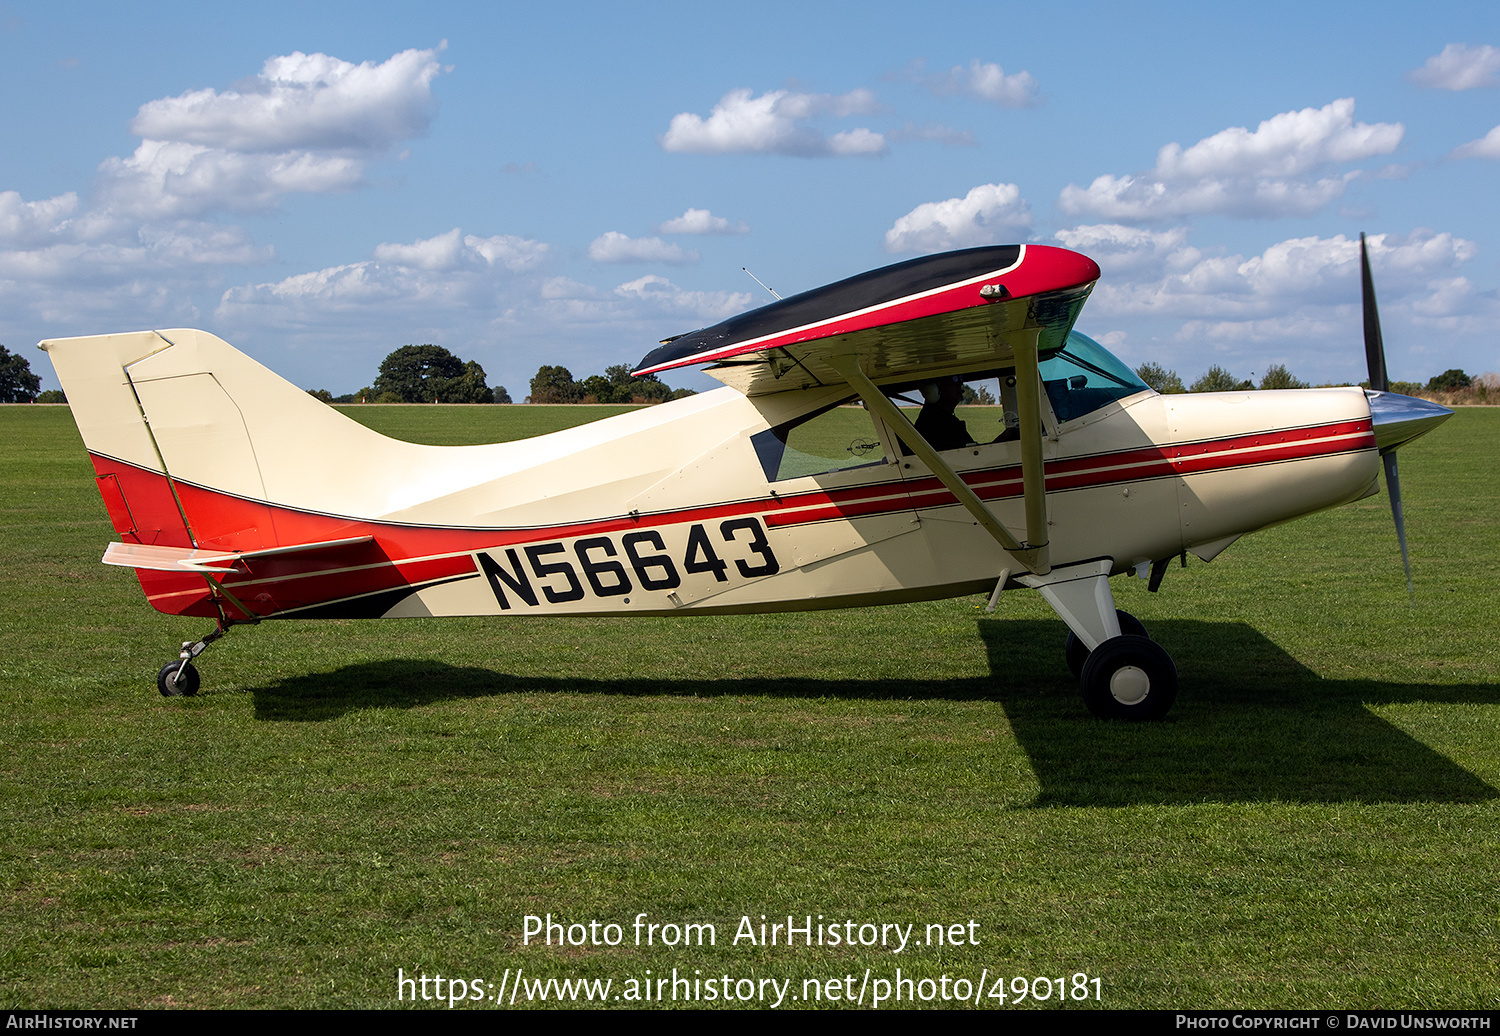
(1129, 685)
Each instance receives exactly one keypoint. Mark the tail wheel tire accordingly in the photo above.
(1129, 677)
(174, 684)
(1076, 653)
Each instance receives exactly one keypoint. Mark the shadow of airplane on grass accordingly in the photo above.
(1251, 723)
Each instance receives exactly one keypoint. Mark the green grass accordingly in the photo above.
(1317, 823)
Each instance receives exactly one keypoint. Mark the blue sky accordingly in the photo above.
(568, 183)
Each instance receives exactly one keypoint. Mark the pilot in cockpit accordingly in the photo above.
(937, 423)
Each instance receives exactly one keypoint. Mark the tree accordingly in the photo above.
(467, 387)
(321, 395)
(17, 383)
(501, 396)
(52, 396)
(413, 372)
(1278, 377)
(1450, 380)
(982, 397)
(1160, 378)
(596, 388)
(1217, 379)
(553, 385)
(617, 385)
(649, 389)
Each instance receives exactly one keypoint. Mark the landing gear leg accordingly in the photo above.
(1123, 673)
(180, 678)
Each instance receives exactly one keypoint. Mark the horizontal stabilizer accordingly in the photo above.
(182, 559)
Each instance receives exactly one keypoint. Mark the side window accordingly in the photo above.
(834, 439)
(954, 412)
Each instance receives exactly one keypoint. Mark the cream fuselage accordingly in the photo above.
(664, 510)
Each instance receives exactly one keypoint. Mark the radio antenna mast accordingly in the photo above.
(762, 283)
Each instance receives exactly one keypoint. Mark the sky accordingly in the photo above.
(528, 184)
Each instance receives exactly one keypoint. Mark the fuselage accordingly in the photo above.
(716, 503)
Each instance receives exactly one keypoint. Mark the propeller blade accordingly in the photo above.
(1375, 359)
(1393, 487)
(1374, 347)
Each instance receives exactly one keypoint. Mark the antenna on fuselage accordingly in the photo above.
(762, 283)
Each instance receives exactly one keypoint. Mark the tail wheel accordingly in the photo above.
(1129, 677)
(177, 680)
(1077, 654)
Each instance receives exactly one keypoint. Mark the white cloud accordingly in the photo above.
(1460, 67)
(1124, 251)
(775, 123)
(1237, 172)
(1283, 279)
(514, 253)
(990, 213)
(456, 250)
(1446, 296)
(988, 82)
(307, 124)
(206, 244)
(186, 249)
(1127, 197)
(304, 102)
(457, 270)
(1487, 146)
(1297, 329)
(1295, 302)
(702, 221)
(145, 238)
(170, 180)
(662, 295)
(1288, 144)
(33, 222)
(615, 247)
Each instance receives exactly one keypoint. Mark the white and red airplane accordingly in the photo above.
(239, 497)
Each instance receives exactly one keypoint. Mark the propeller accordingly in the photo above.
(1375, 359)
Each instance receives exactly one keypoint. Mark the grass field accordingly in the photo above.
(1317, 823)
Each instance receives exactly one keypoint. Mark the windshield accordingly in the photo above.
(1083, 376)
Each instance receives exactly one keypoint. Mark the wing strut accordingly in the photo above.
(1033, 555)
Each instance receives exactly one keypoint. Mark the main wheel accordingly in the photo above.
(1076, 653)
(172, 684)
(1129, 677)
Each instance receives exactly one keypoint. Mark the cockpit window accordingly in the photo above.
(1082, 376)
(952, 412)
(833, 439)
(962, 410)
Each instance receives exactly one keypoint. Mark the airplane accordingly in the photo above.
(831, 471)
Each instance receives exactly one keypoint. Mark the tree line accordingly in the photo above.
(1217, 379)
(615, 385)
(432, 374)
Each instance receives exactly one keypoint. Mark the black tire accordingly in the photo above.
(1129, 677)
(1077, 654)
(173, 685)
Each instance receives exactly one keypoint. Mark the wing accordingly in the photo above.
(928, 314)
